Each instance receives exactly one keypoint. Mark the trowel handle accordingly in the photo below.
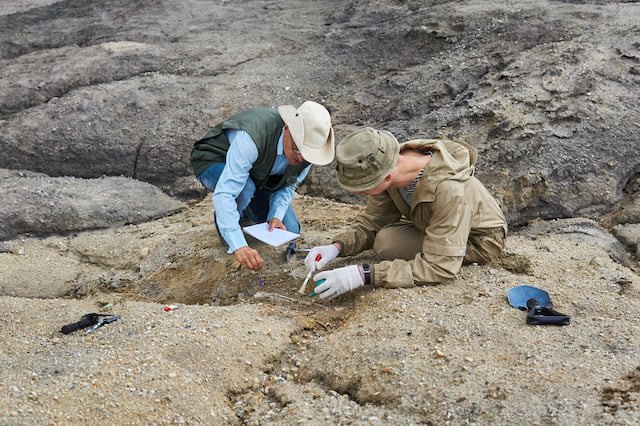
(533, 304)
(541, 315)
(87, 321)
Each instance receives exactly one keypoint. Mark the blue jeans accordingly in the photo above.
(252, 202)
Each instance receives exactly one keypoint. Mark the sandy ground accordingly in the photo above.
(235, 353)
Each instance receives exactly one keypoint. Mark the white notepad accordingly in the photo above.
(275, 238)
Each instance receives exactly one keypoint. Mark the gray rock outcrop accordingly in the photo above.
(545, 91)
(43, 205)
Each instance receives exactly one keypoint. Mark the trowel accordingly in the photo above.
(538, 305)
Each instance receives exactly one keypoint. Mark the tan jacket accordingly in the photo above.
(449, 203)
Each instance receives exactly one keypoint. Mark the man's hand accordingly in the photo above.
(249, 258)
(276, 223)
(338, 281)
(327, 254)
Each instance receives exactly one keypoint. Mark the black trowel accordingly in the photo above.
(538, 305)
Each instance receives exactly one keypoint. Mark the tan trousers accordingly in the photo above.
(402, 240)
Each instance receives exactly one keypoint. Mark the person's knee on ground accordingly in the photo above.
(290, 221)
(483, 249)
(209, 178)
(401, 241)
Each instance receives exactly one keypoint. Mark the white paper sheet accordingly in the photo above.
(275, 238)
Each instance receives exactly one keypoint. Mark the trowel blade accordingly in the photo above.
(518, 297)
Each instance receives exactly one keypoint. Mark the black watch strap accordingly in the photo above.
(367, 273)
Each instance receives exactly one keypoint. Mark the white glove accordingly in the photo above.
(327, 254)
(338, 281)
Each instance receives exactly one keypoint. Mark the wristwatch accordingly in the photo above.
(367, 273)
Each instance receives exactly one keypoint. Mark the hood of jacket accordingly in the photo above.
(450, 161)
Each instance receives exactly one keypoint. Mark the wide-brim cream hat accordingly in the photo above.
(310, 128)
(364, 158)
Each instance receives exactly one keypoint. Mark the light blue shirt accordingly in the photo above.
(241, 155)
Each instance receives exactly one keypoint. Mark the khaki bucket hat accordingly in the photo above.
(365, 157)
(310, 128)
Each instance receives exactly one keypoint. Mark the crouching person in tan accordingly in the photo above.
(426, 214)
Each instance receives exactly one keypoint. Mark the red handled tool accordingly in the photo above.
(304, 284)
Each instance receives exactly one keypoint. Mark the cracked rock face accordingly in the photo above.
(121, 88)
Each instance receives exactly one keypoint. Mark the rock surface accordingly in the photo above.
(544, 91)
(43, 205)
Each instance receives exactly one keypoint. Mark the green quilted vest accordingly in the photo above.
(264, 125)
